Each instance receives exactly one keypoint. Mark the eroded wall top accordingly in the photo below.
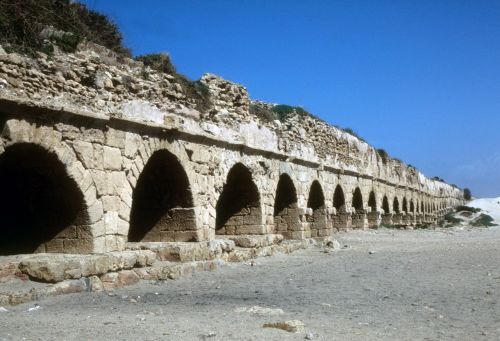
(94, 81)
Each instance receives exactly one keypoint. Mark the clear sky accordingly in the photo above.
(420, 79)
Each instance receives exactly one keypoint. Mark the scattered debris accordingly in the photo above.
(259, 310)
(371, 252)
(292, 326)
(208, 335)
(35, 307)
(309, 336)
(3, 310)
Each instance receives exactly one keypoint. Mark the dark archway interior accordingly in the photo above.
(395, 205)
(238, 193)
(412, 207)
(405, 205)
(422, 207)
(357, 200)
(316, 198)
(162, 186)
(338, 198)
(38, 199)
(385, 205)
(372, 201)
(286, 195)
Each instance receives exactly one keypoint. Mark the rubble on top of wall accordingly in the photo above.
(94, 80)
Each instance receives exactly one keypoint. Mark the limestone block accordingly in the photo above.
(102, 181)
(95, 284)
(95, 212)
(115, 138)
(17, 131)
(111, 244)
(67, 287)
(65, 154)
(111, 203)
(111, 222)
(85, 152)
(112, 158)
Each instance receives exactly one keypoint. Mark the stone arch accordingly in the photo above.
(357, 200)
(422, 208)
(286, 194)
(162, 202)
(238, 210)
(405, 205)
(43, 208)
(385, 205)
(395, 205)
(412, 206)
(372, 201)
(338, 198)
(316, 199)
(286, 212)
(316, 202)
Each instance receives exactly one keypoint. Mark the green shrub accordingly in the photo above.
(467, 194)
(353, 133)
(283, 111)
(450, 218)
(483, 220)
(22, 21)
(196, 90)
(383, 155)
(468, 209)
(263, 113)
(160, 62)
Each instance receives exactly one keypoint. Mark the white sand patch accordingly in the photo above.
(490, 206)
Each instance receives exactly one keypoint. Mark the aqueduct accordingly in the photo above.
(94, 155)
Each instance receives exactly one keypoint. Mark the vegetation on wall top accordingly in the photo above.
(28, 26)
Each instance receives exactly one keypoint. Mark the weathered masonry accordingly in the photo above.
(97, 153)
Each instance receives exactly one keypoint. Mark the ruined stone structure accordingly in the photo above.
(98, 154)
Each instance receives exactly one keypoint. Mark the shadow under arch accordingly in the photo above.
(338, 198)
(357, 200)
(238, 209)
(318, 219)
(41, 206)
(395, 205)
(162, 202)
(405, 205)
(385, 205)
(372, 201)
(286, 212)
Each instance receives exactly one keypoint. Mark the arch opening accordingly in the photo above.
(316, 202)
(357, 200)
(405, 205)
(286, 213)
(372, 201)
(395, 205)
(162, 203)
(338, 198)
(316, 198)
(286, 195)
(41, 206)
(359, 219)
(238, 208)
(412, 207)
(385, 205)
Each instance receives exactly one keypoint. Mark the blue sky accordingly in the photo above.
(420, 79)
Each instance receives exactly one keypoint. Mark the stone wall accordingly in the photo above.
(119, 129)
